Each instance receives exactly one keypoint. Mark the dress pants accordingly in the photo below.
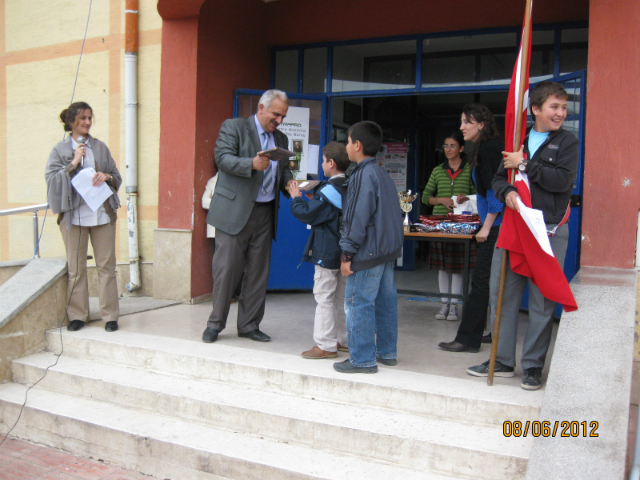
(103, 241)
(250, 252)
(329, 325)
(474, 316)
(538, 335)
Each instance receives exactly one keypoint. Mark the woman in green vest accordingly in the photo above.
(450, 179)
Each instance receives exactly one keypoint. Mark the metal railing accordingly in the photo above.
(35, 209)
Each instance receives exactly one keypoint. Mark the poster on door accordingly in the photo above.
(296, 128)
(393, 158)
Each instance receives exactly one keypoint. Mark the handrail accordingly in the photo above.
(30, 209)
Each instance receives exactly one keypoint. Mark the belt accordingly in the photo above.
(262, 204)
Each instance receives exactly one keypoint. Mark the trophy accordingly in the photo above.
(406, 200)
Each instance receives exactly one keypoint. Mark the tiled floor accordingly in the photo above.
(20, 460)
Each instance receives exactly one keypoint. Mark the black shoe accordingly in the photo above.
(75, 325)
(256, 335)
(457, 347)
(389, 362)
(348, 367)
(482, 370)
(210, 335)
(532, 378)
(486, 338)
(111, 326)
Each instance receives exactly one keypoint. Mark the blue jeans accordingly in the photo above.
(371, 304)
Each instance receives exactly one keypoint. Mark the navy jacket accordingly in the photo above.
(551, 172)
(372, 218)
(324, 213)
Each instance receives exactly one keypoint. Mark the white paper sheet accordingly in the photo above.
(468, 206)
(535, 221)
(313, 154)
(94, 197)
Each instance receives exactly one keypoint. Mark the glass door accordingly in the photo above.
(305, 126)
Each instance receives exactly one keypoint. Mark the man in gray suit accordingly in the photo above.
(244, 210)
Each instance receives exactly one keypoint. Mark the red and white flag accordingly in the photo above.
(514, 105)
(526, 255)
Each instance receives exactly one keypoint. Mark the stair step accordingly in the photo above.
(169, 447)
(470, 401)
(421, 442)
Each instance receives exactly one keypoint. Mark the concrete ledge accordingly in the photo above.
(590, 380)
(32, 301)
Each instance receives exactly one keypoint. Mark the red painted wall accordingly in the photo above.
(612, 170)
(303, 21)
(177, 122)
(231, 54)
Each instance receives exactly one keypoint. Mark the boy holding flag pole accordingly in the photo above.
(545, 167)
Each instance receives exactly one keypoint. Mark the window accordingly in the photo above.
(470, 59)
(374, 66)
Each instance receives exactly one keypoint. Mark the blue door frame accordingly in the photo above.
(290, 274)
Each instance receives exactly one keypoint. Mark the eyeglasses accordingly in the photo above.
(451, 147)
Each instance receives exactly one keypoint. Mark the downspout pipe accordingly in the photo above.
(131, 138)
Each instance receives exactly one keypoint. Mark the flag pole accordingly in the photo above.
(517, 139)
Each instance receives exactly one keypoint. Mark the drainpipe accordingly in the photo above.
(131, 138)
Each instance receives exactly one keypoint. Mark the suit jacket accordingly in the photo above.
(238, 183)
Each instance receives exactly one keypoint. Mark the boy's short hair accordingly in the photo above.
(542, 91)
(337, 152)
(369, 134)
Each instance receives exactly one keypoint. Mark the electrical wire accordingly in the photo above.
(66, 315)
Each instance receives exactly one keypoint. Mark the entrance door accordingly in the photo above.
(287, 270)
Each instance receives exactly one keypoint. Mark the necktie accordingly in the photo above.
(267, 180)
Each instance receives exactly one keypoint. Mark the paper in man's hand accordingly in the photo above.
(93, 196)
(535, 221)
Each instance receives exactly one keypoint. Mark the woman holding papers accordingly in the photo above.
(479, 127)
(450, 179)
(82, 163)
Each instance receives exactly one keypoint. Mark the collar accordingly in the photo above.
(445, 165)
(338, 175)
(259, 127)
(74, 144)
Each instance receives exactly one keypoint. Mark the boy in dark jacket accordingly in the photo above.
(549, 158)
(371, 242)
(324, 213)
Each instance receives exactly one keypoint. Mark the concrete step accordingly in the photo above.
(467, 401)
(169, 447)
(416, 441)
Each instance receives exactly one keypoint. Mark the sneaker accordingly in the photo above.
(348, 367)
(444, 311)
(482, 370)
(453, 313)
(532, 378)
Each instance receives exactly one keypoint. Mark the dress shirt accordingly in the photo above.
(271, 143)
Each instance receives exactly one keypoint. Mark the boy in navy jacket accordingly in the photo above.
(371, 243)
(324, 213)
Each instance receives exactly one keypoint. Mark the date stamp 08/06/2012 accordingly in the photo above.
(550, 429)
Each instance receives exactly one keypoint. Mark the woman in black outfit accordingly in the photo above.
(479, 127)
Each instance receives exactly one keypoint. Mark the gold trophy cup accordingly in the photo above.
(406, 200)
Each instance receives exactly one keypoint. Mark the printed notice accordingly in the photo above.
(93, 196)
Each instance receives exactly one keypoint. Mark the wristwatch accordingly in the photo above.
(344, 258)
(522, 167)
